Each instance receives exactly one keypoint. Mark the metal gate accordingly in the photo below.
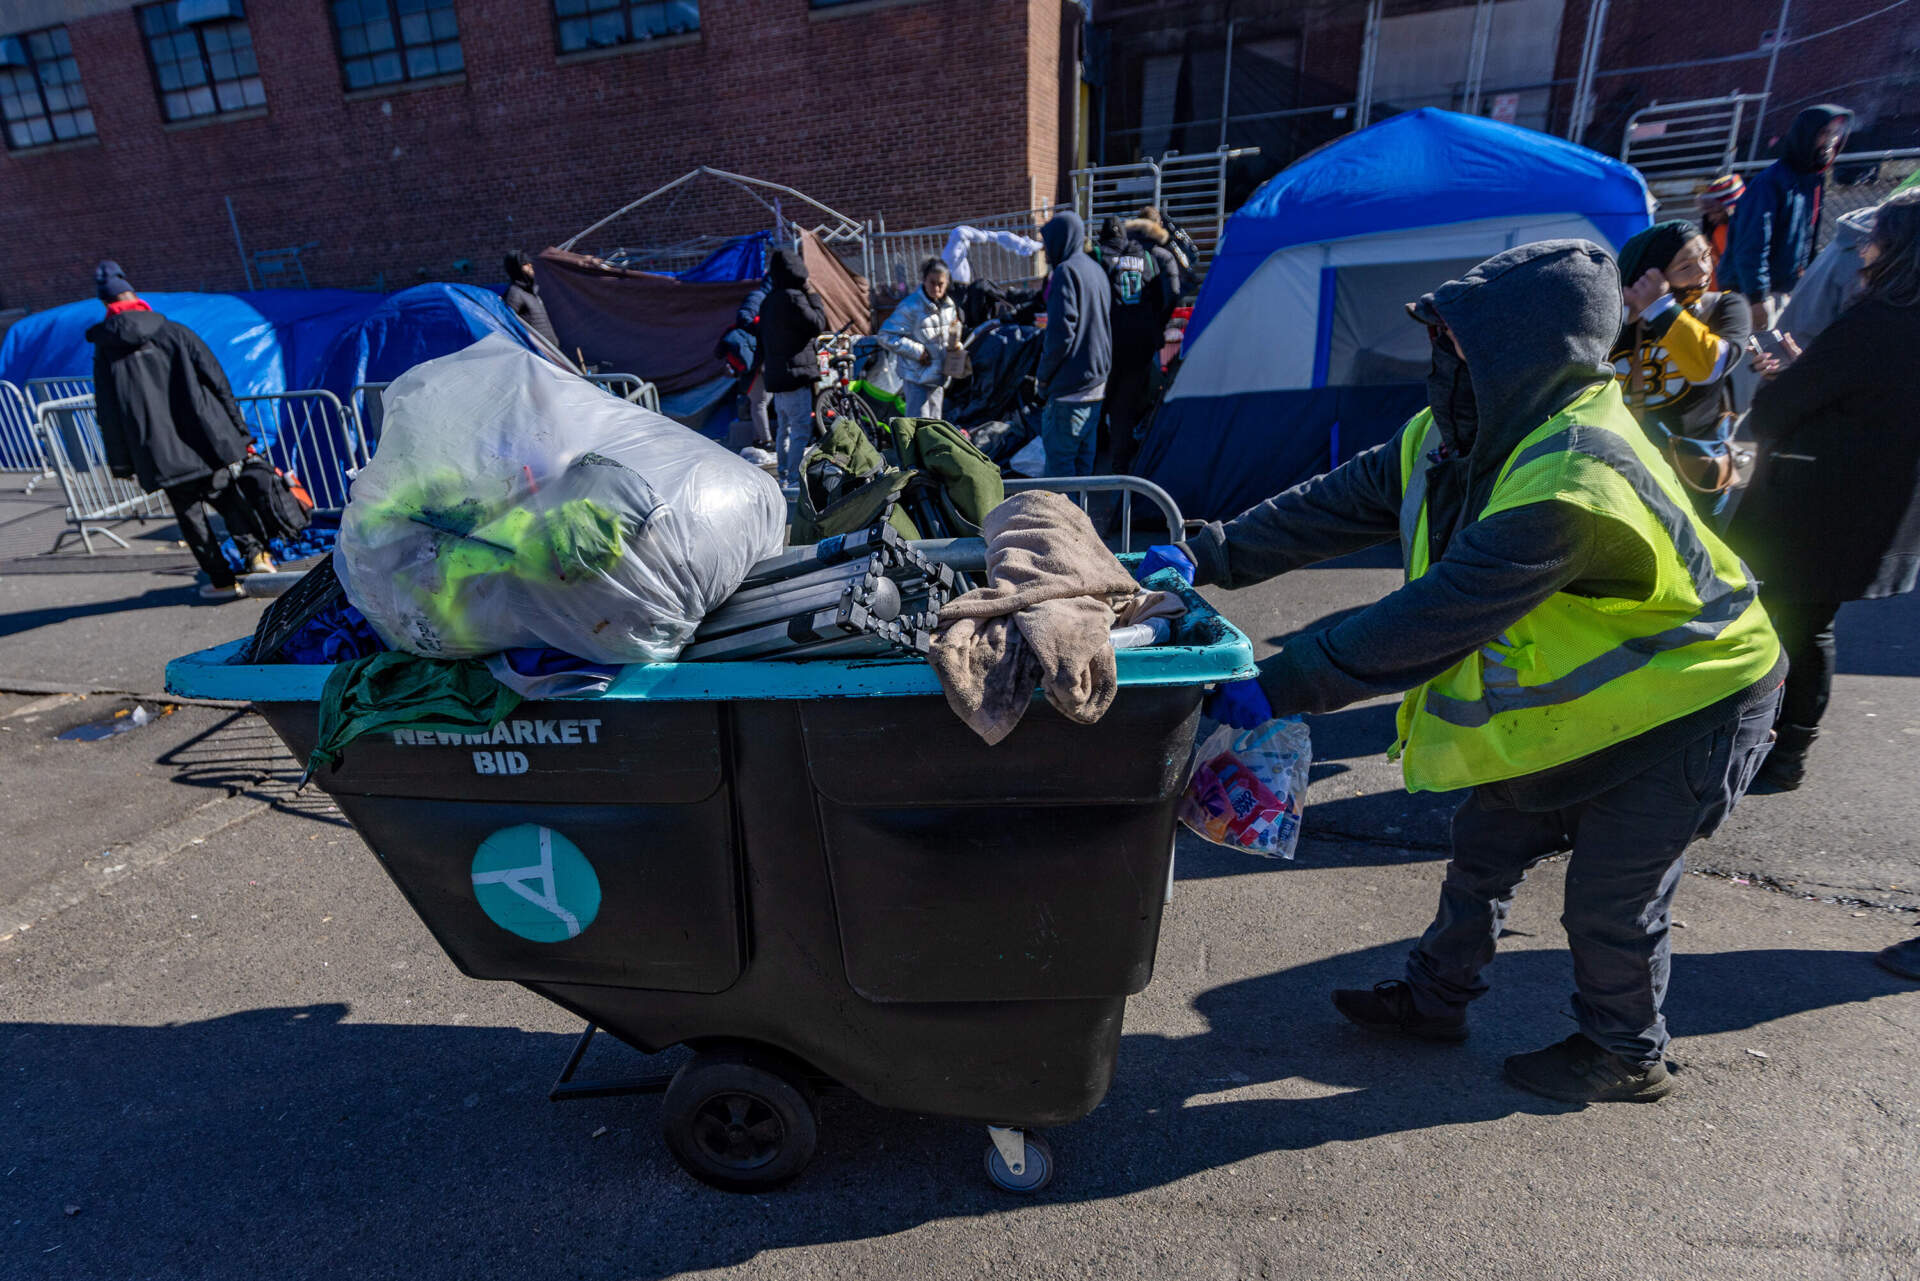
(316, 439)
(70, 437)
(1190, 190)
(1678, 145)
(19, 441)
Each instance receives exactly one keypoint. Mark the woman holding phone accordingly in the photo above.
(1833, 511)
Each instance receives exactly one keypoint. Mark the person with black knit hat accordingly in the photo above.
(169, 420)
(1676, 355)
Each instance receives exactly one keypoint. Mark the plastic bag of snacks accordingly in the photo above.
(1249, 787)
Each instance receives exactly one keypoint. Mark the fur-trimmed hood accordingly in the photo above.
(1147, 230)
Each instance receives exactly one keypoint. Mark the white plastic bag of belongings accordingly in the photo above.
(513, 504)
(1250, 786)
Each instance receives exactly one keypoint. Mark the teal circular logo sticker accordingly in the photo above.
(536, 883)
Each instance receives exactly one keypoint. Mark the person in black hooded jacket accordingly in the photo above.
(1771, 239)
(168, 418)
(790, 319)
(1526, 521)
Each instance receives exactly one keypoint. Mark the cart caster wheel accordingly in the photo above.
(737, 1122)
(1038, 1172)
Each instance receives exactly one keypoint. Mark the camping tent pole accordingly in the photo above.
(1369, 50)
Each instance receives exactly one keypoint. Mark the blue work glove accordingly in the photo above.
(1165, 556)
(1241, 704)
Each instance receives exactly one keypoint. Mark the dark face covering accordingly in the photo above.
(1450, 394)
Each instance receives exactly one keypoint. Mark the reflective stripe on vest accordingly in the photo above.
(1721, 602)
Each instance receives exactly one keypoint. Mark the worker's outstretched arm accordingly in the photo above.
(1493, 573)
(1352, 507)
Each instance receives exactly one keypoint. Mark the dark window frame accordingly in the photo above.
(400, 47)
(47, 113)
(198, 30)
(625, 9)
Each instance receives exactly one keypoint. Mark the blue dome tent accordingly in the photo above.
(1299, 352)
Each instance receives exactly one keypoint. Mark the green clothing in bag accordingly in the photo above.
(394, 690)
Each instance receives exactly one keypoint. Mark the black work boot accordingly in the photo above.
(1389, 1007)
(1902, 959)
(1785, 768)
(1578, 1071)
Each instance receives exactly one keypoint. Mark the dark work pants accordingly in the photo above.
(1627, 845)
(190, 507)
(1806, 634)
(1129, 399)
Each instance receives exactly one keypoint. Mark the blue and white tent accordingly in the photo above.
(1299, 352)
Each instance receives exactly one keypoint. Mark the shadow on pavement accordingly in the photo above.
(241, 755)
(292, 1140)
(28, 620)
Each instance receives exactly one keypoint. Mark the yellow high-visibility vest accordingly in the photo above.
(1580, 673)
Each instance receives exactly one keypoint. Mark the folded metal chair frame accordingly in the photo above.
(855, 595)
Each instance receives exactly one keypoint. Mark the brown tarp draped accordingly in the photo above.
(635, 322)
(843, 292)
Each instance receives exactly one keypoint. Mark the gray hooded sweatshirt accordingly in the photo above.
(1832, 281)
(1535, 325)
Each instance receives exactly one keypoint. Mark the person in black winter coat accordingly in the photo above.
(1833, 511)
(168, 419)
(1138, 308)
(523, 297)
(1077, 350)
(790, 319)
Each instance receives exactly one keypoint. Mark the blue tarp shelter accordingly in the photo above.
(284, 339)
(1299, 352)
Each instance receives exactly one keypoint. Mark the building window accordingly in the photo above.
(202, 55)
(606, 24)
(383, 42)
(41, 100)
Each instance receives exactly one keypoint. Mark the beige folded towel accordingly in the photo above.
(1053, 594)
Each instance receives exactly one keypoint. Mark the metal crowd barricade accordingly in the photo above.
(19, 441)
(41, 390)
(1081, 488)
(367, 403)
(315, 438)
(70, 437)
(629, 387)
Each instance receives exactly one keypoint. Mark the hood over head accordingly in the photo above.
(1063, 236)
(1654, 248)
(1797, 147)
(1113, 233)
(1535, 325)
(1148, 230)
(787, 269)
(128, 331)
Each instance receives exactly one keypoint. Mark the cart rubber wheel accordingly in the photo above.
(1038, 1174)
(739, 1122)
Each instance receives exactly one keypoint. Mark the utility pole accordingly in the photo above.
(1369, 50)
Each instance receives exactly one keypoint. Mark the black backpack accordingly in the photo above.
(281, 515)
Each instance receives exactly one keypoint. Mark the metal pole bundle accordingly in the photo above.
(864, 594)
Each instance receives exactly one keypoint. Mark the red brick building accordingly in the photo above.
(416, 139)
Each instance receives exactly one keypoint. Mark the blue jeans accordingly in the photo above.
(1068, 436)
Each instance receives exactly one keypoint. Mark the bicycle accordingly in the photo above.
(841, 395)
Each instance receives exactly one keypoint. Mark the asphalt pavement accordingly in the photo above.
(228, 1048)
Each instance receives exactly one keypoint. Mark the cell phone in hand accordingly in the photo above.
(1770, 342)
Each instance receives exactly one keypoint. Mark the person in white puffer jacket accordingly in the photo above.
(917, 334)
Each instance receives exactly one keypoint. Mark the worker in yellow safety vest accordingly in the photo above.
(1575, 646)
